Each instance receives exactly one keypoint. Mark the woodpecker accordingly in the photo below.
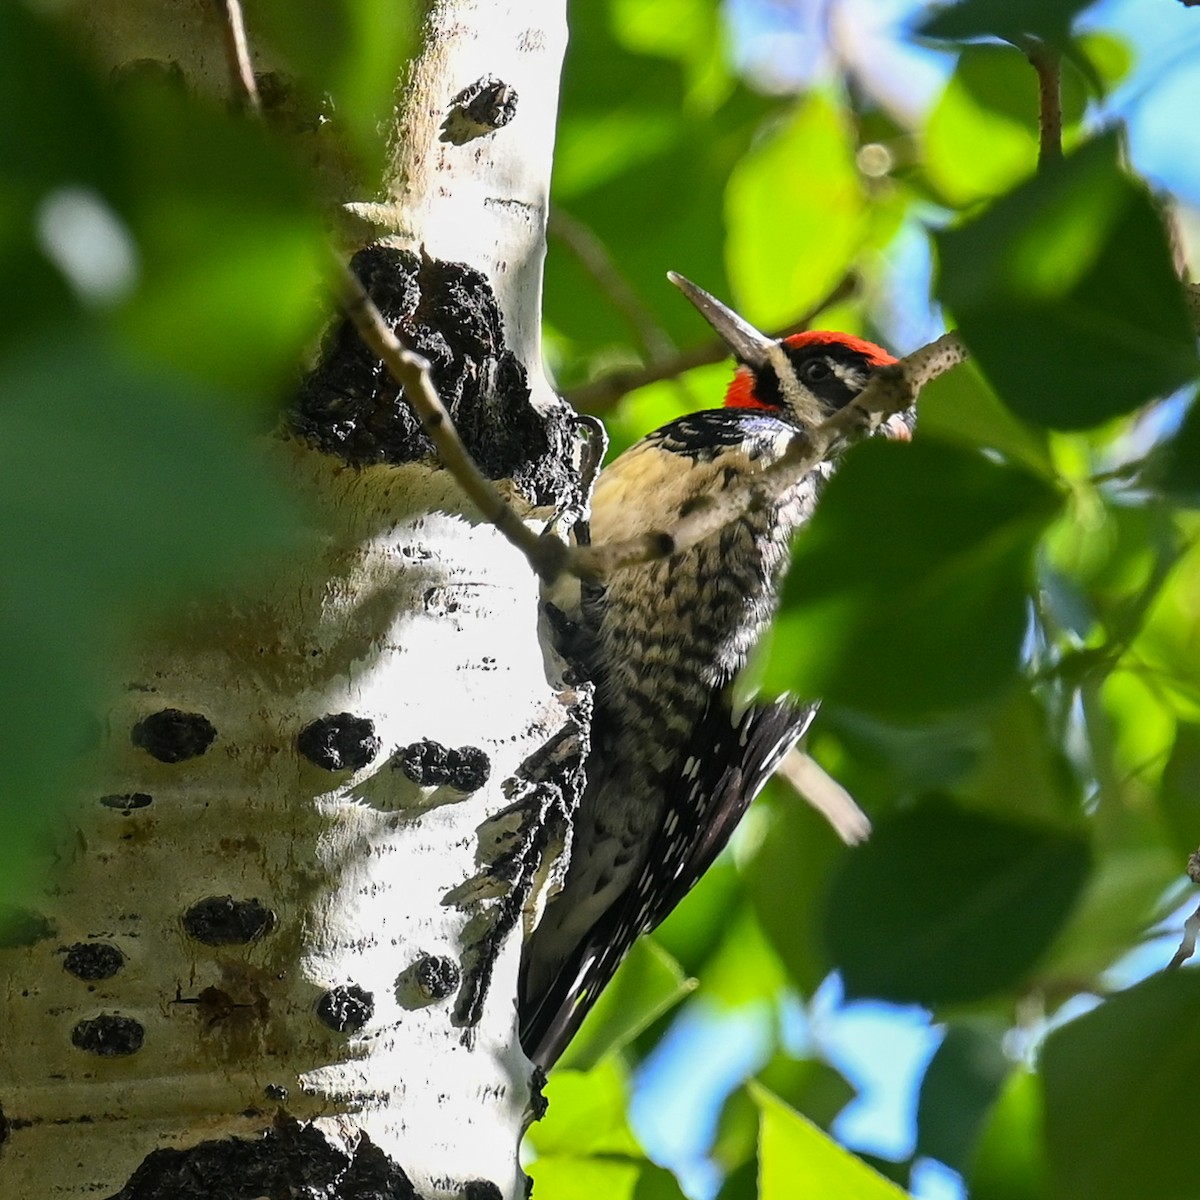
(675, 760)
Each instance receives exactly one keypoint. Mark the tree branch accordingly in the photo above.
(546, 554)
(893, 389)
(595, 259)
(1191, 927)
(237, 52)
(1048, 65)
(601, 394)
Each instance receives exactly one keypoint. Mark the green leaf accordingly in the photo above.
(960, 407)
(1181, 477)
(907, 591)
(1122, 1087)
(1065, 292)
(1179, 797)
(1011, 20)
(786, 880)
(800, 1162)
(744, 967)
(586, 1113)
(796, 214)
(947, 906)
(1020, 741)
(960, 1085)
(647, 984)
(1010, 1161)
(585, 1178)
(232, 250)
(58, 126)
(687, 30)
(810, 1086)
(982, 135)
(122, 487)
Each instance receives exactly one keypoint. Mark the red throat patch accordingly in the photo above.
(740, 393)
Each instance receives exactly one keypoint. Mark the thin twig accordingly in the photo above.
(813, 783)
(237, 52)
(1191, 927)
(1187, 945)
(546, 554)
(1048, 65)
(595, 259)
(601, 394)
(892, 389)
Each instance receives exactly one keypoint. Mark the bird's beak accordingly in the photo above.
(747, 343)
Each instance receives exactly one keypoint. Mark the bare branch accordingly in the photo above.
(595, 259)
(546, 554)
(1187, 945)
(601, 394)
(1048, 65)
(1191, 927)
(893, 389)
(815, 785)
(237, 52)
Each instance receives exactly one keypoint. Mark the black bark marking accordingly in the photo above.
(127, 801)
(346, 1008)
(339, 742)
(172, 736)
(224, 921)
(90, 961)
(287, 1160)
(351, 407)
(109, 1035)
(436, 976)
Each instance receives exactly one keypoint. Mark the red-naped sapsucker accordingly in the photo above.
(674, 761)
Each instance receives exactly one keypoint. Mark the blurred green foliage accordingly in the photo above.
(1003, 616)
(162, 266)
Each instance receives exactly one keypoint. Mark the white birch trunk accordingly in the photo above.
(247, 944)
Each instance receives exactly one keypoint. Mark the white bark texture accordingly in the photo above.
(253, 942)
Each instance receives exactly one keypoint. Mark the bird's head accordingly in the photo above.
(808, 376)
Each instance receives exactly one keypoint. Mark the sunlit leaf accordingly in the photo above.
(796, 214)
(1122, 1087)
(586, 1114)
(1066, 294)
(744, 967)
(1010, 1160)
(982, 135)
(647, 984)
(800, 1162)
(943, 905)
(899, 602)
(560, 1178)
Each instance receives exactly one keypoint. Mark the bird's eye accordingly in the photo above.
(816, 370)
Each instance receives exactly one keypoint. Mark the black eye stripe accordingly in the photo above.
(834, 374)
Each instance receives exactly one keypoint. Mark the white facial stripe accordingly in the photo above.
(799, 400)
(854, 378)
